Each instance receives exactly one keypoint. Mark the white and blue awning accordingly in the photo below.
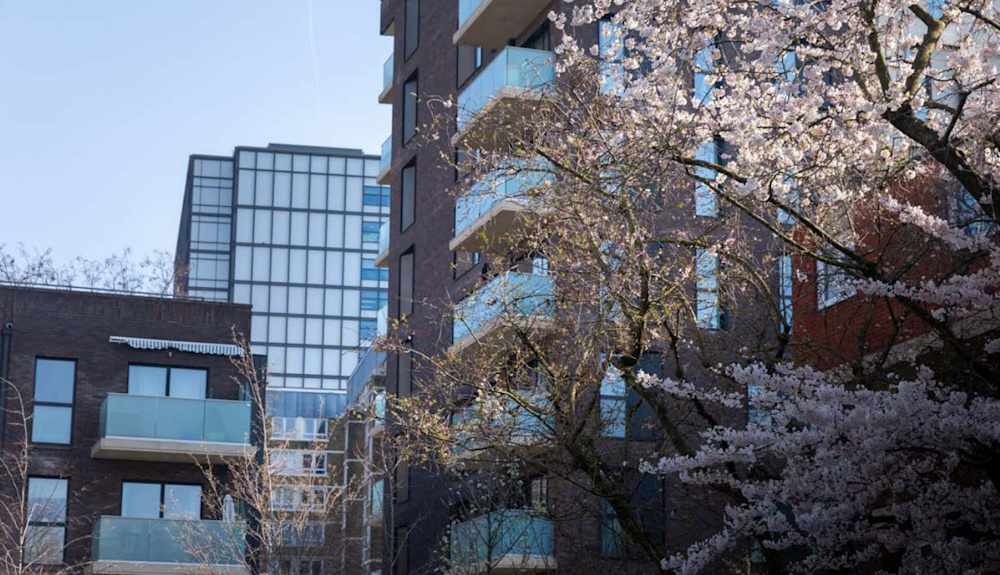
(229, 349)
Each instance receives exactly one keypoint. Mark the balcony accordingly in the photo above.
(148, 428)
(370, 366)
(508, 89)
(523, 424)
(508, 541)
(382, 259)
(511, 299)
(385, 96)
(491, 209)
(491, 23)
(134, 546)
(385, 163)
(299, 429)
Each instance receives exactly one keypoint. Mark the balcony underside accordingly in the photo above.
(495, 22)
(382, 259)
(522, 446)
(509, 564)
(491, 228)
(495, 331)
(382, 178)
(494, 126)
(169, 450)
(155, 568)
(386, 96)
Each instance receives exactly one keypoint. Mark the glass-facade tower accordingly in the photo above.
(293, 231)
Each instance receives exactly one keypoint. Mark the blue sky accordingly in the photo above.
(102, 101)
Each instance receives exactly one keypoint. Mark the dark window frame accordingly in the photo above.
(163, 489)
(408, 94)
(170, 369)
(71, 405)
(50, 524)
(403, 224)
(411, 29)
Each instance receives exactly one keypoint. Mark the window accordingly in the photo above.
(613, 541)
(833, 285)
(302, 534)
(785, 290)
(167, 381)
(611, 50)
(370, 272)
(647, 502)
(298, 462)
(407, 206)
(403, 370)
(613, 405)
(540, 38)
(406, 284)
(369, 231)
(401, 565)
(368, 330)
(706, 203)
(161, 500)
(299, 428)
(703, 66)
(378, 497)
(375, 196)
(52, 421)
(755, 414)
(708, 313)
(373, 300)
(470, 58)
(300, 497)
(411, 28)
(463, 262)
(968, 214)
(45, 536)
(410, 108)
(792, 199)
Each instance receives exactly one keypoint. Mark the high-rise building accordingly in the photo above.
(293, 231)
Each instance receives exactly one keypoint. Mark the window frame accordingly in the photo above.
(162, 502)
(705, 286)
(169, 369)
(71, 405)
(404, 225)
(29, 523)
(411, 29)
(410, 100)
(825, 283)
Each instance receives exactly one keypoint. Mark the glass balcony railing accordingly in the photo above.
(372, 363)
(507, 537)
(386, 160)
(466, 8)
(379, 405)
(383, 237)
(526, 421)
(175, 418)
(387, 73)
(508, 295)
(136, 540)
(494, 188)
(519, 68)
(299, 429)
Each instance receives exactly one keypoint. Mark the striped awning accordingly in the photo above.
(188, 346)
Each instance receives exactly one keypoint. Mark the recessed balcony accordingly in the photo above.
(506, 541)
(382, 259)
(136, 546)
(385, 97)
(493, 208)
(506, 91)
(385, 163)
(175, 429)
(522, 423)
(492, 23)
(510, 300)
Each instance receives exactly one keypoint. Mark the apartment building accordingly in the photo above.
(293, 232)
(109, 402)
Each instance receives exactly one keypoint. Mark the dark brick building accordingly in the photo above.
(122, 395)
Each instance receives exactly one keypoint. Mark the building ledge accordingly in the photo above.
(102, 567)
(509, 564)
(169, 450)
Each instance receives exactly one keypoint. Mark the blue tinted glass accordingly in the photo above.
(54, 380)
(51, 424)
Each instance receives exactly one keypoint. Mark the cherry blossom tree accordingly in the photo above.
(790, 204)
